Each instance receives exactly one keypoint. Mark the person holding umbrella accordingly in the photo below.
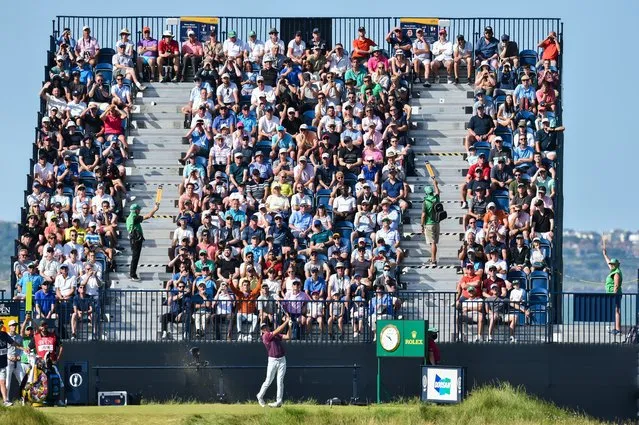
(613, 287)
(136, 236)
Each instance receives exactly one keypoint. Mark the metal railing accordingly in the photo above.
(144, 315)
(527, 32)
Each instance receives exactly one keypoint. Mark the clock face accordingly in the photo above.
(389, 337)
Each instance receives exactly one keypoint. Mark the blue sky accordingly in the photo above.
(600, 146)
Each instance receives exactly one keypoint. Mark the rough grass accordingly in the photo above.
(491, 405)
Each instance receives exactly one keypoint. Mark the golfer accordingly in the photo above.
(136, 236)
(276, 359)
(613, 287)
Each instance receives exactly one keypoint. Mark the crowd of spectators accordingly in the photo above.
(79, 189)
(294, 183)
(509, 191)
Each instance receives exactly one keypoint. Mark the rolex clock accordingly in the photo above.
(389, 338)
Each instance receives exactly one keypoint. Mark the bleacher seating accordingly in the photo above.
(215, 191)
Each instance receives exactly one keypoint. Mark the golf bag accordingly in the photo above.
(42, 383)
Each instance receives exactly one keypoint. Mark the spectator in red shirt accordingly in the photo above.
(168, 52)
(552, 49)
(192, 53)
(112, 119)
(546, 97)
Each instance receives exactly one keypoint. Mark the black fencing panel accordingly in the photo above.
(289, 26)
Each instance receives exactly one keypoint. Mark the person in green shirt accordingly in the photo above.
(204, 260)
(613, 287)
(429, 221)
(136, 236)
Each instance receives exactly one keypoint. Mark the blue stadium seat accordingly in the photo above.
(498, 100)
(506, 135)
(528, 57)
(538, 306)
(500, 198)
(309, 116)
(106, 55)
(87, 178)
(539, 280)
(513, 274)
(105, 66)
(345, 228)
(482, 147)
(264, 147)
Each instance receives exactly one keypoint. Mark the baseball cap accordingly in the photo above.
(251, 33)
(232, 34)
(613, 261)
(428, 190)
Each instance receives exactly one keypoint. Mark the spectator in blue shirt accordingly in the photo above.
(45, 302)
(32, 274)
(86, 72)
(315, 283)
(523, 155)
(487, 49)
(393, 190)
(67, 172)
(248, 119)
(300, 222)
(524, 93)
(225, 117)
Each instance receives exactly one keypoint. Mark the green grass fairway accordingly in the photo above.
(504, 405)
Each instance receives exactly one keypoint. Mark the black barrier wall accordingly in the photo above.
(598, 380)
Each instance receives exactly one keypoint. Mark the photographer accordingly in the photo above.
(552, 49)
(98, 91)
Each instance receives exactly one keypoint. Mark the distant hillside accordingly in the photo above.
(584, 266)
(8, 233)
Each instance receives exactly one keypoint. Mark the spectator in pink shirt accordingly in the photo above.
(376, 59)
(192, 52)
(371, 153)
(88, 46)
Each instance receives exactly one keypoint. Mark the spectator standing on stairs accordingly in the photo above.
(136, 236)
(429, 220)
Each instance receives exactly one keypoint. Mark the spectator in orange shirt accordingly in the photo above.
(552, 49)
(192, 52)
(469, 298)
(246, 307)
(362, 45)
(494, 212)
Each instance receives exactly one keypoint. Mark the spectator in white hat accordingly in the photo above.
(88, 47)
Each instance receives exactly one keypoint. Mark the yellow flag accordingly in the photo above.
(29, 296)
(158, 194)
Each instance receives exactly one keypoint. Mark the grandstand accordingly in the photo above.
(429, 120)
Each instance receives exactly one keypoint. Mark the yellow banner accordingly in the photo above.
(423, 21)
(201, 19)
